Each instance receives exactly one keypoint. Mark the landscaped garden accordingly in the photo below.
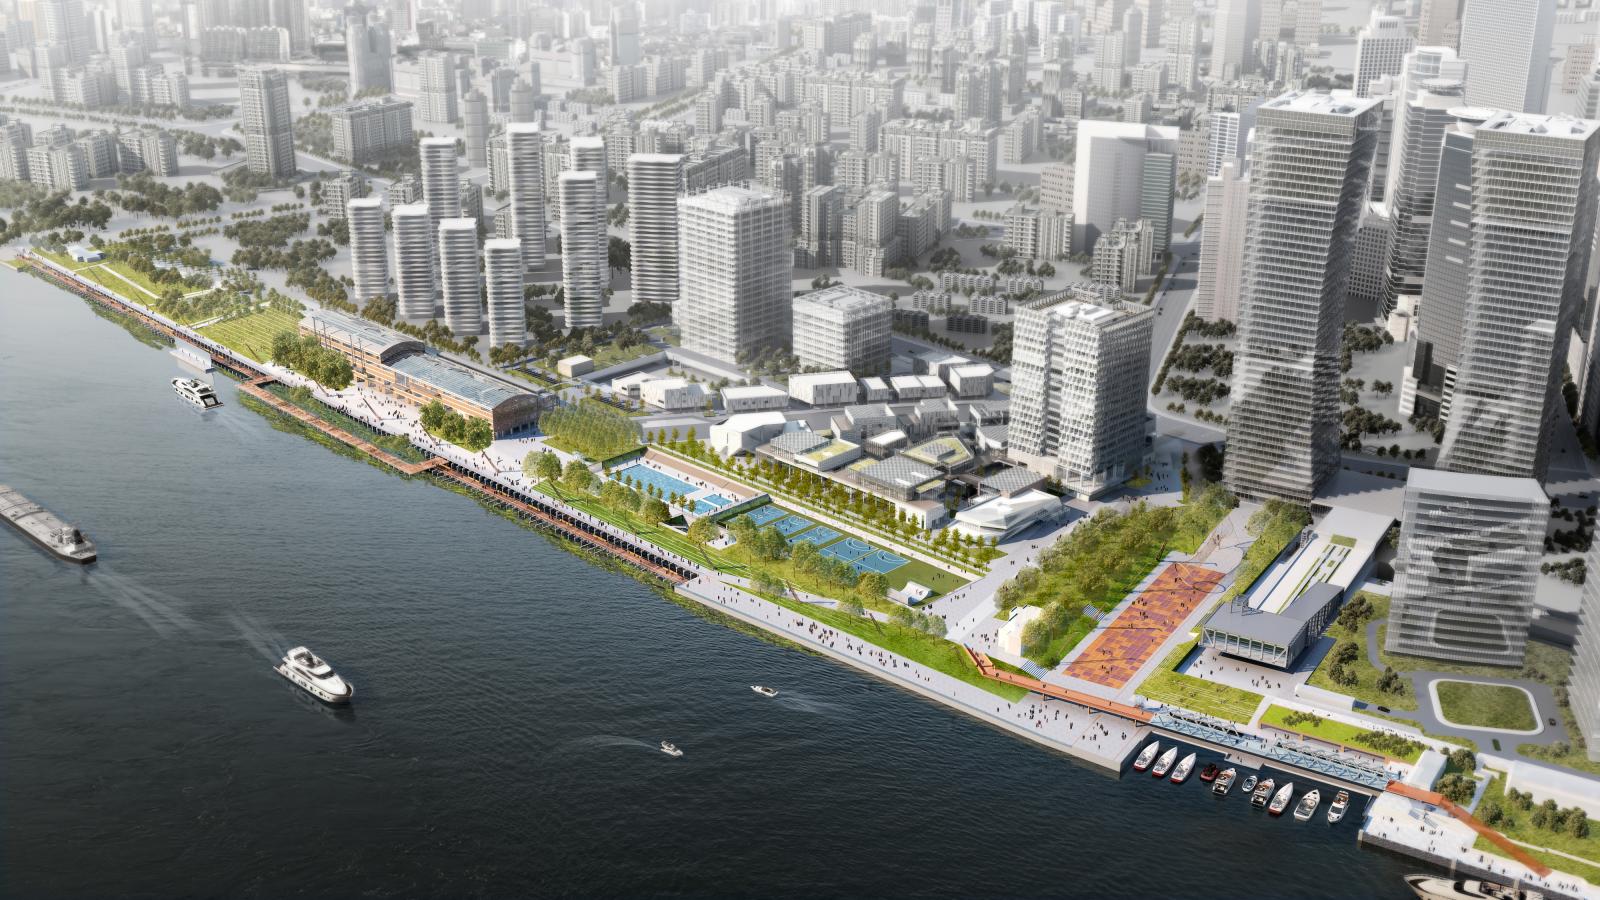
(1096, 564)
(252, 334)
(590, 429)
(1274, 526)
(1479, 705)
(1348, 670)
(1568, 831)
(1313, 725)
(1172, 687)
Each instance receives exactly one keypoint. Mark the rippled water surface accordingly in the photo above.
(510, 696)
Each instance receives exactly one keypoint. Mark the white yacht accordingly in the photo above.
(1280, 800)
(1307, 807)
(197, 392)
(1224, 782)
(1181, 773)
(763, 690)
(1341, 802)
(671, 749)
(1147, 756)
(1433, 887)
(1164, 764)
(315, 676)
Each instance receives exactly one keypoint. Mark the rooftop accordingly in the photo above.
(730, 199)
(456, 380)
(798, 441)
(820, 378)
(898, 470)
(747, 391)
(353, 331)
(1010, 481)
(1488, 487)
(1535, 123)
(1327, 103)
(843, 298)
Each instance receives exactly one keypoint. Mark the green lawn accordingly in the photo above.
(1554, 861)
(1366, 686)
(611, 354)
(252, 334)
(667, 538)
(1543, 662)
(1516, 824)
(1485, 705)
(1329, 730)
(1220, 700)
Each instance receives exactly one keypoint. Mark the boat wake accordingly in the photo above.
(265, 641)
(803, 703)
(595, 741)
(158, 610)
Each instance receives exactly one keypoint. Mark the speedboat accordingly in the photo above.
(1146, 755)
(1209, 773)
(1307, 807)
(670, 749)
(1280, 800)
(763, 690)
(315, 676)
(1341, 802)
(1249, 784)
(1432, 887)
(1181, 773)
(197, 392)
(1224, 782)
(1262, 794)
(1164, 764)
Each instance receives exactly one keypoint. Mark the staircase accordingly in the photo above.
(1034, 669)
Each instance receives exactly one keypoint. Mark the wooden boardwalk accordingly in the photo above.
(987, 668)
(256, 387)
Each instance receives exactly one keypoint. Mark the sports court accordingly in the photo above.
(848, 550)
(819, 535)
(764, 515)
(1127, 643)
(791, 526)
(881, 561)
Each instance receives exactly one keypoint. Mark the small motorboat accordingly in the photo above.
(1249, 784)
(1280, 800)
(671, 749)
(763, 690)
(1181, 773)
(314, 676)
(1341, 802)
(1146, 756)
(1164, 764)
(1433, 887)
(1307, 807)
(1209, 773)
(1224, 782)
(1262, 793)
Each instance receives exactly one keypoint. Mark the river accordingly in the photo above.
(510, 695)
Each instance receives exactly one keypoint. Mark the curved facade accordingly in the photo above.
(413, 254)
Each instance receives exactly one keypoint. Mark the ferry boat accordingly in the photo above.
(1262, 794)
(1432, 887)
(196, 392)
(1164, 764)
(763, 690)
(1146, 755)
(1280, 800)
(1209, 773)
(1341, 802)
(315, 676)
(1224, 782)
(1307, 807)
(671, 749)
(1249, 784)
(1181, 773)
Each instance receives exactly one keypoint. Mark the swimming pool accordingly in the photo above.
(649, 477)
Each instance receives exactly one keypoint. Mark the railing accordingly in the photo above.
(1299, 755)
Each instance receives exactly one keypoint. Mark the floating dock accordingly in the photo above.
(44, 527)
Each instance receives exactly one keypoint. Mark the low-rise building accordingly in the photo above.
(999, 517)
(825, 388)
(876, 390)
(672, 394)
(744, 433)
(753, 398)
(917, 387)
(972, 380)
(573, 366)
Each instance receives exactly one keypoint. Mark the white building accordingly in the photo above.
(1123, 171)
(502, 268)
(744, 433)
(265, 118)
(1380, 50)
(917, 387)
(1507, 47)
(825, 388)
(458, 276)
(1584, 688)
(369, 252)
(584, 268)
(441, 183)
(735, 264)
(972, 380)
(525, 183)
(753, 398)
(842, 327)
(415, 281)
(672, 394)
(1216, 295)
(653, 183)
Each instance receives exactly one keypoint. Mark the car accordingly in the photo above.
(1552, 720)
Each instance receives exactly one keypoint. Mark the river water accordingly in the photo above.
(509, 699)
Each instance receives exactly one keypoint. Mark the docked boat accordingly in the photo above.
(1164, 764)
(1146, 755)
(763, 690)
(196, 392)
(1262, 794)
(1249, 784)
(1181, 773)
(1280, 800)
(1341, 802)
(1209, 773)
(1433, 887)
(671, 749)
(1307, 807)
(1224, 782)
(44, 527)
(315, 676)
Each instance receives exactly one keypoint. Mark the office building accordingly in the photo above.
(1583, 689)
(1413, 182)
(1216, 295)
(441, 182)
(370, 50)
(1380, 50)
(369, 130)
(369, 253)
(415, 281)
(584, 268)
(1235, 26)
(1439, 23)
(842, 328)
(1080, 378)
(734, 264)
(1507, 47)
(458, 277)
(475, 128)
(264, 117)
(1467, 567)
(1533, 223)
(437, 80)
(65, 24)
(502, 269)
(1122, 171)
(653, 182)
(1309, 166)
(525, 181)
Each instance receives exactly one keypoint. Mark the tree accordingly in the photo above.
(703, 531)
(547, 467)
(576, 476)
(903, 616)
(654, 511)
(873, 584)
(851, 605)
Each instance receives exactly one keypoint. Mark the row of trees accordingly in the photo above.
(768, 545)
(592, 429)
(467, 432)
(305, 355)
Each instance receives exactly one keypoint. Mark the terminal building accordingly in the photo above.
(401, 365)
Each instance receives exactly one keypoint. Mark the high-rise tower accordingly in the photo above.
(369, 254)
(734, 263)
(653, 184)
(264, 117)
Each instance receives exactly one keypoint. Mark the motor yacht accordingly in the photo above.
(763, 690)
(1181, 773)
(671, 749)
(1146, 756)
(1164, 764)
(1263, 793)
(1341, 802)
(1280, 800)
(196, 392)
(1434, 887)
(1224, 782)
(315, 676)
(1307, 807)
(1209, 773)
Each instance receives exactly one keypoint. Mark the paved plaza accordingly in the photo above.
(1127, 643)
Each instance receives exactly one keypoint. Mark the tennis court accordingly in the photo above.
(764, 515)
(819, 535)
(792, 525)
(880, 561)
(848, 550)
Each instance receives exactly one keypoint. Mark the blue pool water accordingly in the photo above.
(647, 476)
